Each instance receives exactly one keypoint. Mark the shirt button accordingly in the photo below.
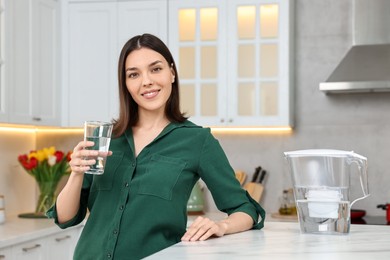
(108, 255)
(115, 232)
(133, 164)
(126, 184)
(121, 207)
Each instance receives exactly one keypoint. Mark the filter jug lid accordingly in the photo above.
(321, 152)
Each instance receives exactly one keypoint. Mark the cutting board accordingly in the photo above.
(255, 190)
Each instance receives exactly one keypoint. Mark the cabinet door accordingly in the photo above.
(35, 68)
(234, 60)
(97, 32)
(197, 39)
(61, 246)
(32, 250)
(259, 62)
(139, 17)
(92, 62)
(6, 253)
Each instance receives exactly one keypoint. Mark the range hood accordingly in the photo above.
(366, 66)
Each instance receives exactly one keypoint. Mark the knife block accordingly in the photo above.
(255, 190)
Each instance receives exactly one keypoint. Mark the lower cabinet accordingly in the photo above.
(5, 253)
(59, 246)
(34, 249)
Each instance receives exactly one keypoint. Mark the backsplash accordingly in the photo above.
(16, 185)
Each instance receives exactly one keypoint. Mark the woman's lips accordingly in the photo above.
(150, 94)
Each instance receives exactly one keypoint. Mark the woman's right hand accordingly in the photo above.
(79, 162)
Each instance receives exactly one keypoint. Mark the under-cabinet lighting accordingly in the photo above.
(35, 129)
(60, 130)
(252, 130)
(17, 129)
(217, 130)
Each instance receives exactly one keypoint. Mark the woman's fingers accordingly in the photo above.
(201, 229)
(81, 159)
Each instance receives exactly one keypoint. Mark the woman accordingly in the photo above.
(138, 206)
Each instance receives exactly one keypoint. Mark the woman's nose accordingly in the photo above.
(147, 81)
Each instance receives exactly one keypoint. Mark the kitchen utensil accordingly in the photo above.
(262, 175)
(256, 174)
(2, 209)
(254, 188)
(321, 183)
(241, 177)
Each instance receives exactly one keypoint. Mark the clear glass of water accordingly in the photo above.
(100, 133)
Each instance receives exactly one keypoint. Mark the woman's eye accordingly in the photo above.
(157, 69)
(132, 75)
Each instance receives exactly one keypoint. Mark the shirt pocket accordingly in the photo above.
(105, 181)
(161, 176)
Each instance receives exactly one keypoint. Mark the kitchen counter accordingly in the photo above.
(18, 230)
(283, 240)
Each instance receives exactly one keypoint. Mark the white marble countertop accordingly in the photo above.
(283, 240)
(18, 230)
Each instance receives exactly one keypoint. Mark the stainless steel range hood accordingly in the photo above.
(366, 66)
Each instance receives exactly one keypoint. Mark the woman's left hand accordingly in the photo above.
(203, 228)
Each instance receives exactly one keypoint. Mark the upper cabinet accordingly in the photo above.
(34, 80)
(233, 57)
(234, 60)
(94, 34)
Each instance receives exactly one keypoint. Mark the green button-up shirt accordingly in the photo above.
(139, 205)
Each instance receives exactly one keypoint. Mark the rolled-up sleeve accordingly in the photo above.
(82, 212)
(229, 196)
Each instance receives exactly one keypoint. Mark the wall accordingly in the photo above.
(15, 184)
(357, 122)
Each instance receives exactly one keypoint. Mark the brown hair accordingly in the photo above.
(128, 108)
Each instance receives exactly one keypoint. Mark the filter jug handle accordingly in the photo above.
(362, 165)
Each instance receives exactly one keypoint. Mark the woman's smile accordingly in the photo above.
(150, 94)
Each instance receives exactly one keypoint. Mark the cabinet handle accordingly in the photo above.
(59, 239)
(26, 249)
(231, 120)
(222, 120)
(36, 119)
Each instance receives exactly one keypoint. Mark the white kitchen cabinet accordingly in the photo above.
(31, 250)
(234, 60)
(59, 246)
(94, 35)
(5, 253)
(34, 84)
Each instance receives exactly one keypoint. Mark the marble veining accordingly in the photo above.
(283, 240)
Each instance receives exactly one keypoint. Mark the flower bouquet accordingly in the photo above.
(47, 166)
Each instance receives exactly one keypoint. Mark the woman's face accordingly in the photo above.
(149, 79)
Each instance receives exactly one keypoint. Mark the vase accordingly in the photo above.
(46, 199)
(47, 196)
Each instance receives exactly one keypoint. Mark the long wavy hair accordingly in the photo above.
(128, 108)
